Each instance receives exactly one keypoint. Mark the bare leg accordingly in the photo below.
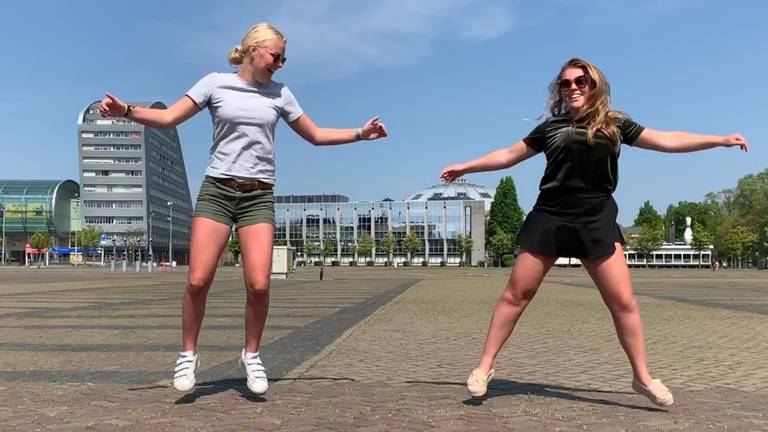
(256, 246)
(611, 276)
(522, 286)
(207, 241)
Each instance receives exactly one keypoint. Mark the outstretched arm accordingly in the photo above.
(306, 128)
(175, 114)
(681, 142)
(495, 160)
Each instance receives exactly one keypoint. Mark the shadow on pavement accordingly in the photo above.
(498, 388)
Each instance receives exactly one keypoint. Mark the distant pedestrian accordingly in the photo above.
(575, 213)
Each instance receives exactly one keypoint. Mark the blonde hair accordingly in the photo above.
(596, 114)
(258, 35)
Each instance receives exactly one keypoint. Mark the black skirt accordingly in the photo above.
(580, 225)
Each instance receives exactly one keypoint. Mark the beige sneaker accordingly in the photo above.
(656, 392)
(477, 383)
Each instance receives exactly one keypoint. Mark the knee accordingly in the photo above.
(198, 283)
(624, 305)
(258, 285)
(516, 297)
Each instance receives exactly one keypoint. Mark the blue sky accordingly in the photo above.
(452, 79)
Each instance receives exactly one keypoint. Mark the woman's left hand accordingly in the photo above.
(735, 140)
(373, 129)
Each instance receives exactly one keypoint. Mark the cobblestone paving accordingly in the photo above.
(380, 349)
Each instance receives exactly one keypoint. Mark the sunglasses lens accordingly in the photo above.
(565, 84)
(581, 81)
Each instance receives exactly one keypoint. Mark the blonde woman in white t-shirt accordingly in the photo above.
(238, 188)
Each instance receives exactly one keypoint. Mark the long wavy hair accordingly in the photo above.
(596, 114)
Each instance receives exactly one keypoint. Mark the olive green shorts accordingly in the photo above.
(228, 206)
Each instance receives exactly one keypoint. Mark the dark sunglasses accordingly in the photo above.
(277, 58)
(581, 81)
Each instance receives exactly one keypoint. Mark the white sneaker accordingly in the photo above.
(254, 370)
(184, 377)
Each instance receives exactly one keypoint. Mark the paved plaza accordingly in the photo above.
(379, 349)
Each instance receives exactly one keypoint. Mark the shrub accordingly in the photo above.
(318, 263)
(370, 263)
(481, 263)
(443, 264)
(406, 263)
(507, 260)
(425, 263)
(353, 263)
(335, 263)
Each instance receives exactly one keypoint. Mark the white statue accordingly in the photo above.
(688, 234)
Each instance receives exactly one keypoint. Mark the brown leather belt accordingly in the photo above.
(242, 185)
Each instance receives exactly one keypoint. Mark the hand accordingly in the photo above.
(735, 140)
(111, 106)
(373, 129)
(452, 172)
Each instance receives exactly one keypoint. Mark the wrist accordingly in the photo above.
(128, 110)
(358, 134)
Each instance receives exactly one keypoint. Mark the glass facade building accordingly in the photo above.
(435, 223)
(30, 206)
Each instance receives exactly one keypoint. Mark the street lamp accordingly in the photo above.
(150, 259)
(124, 257)
(77, 206)
(2, 209)
(114, 253)
(170, 235)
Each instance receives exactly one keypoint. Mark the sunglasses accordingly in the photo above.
(581, 82)
(277, 58)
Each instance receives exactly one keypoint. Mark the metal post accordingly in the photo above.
(138, 261)
(114, 252)
(124, 257)
(170, 236)
(150, 258)
(2, 209)
(78, 223)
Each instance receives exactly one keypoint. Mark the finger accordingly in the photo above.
(373, 120)
(112, 98)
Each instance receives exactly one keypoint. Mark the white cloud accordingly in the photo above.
(334, 38)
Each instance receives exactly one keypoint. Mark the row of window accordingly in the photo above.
(114, 204)
(112, 147)
(112, 173)
(106, 160)
(114, 220)
(112, 188)
(111, 134)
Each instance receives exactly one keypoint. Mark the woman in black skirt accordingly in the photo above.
(575, 214)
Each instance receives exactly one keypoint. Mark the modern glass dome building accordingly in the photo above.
(457, 190)
(29, 206)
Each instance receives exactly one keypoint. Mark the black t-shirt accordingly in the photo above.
(574, 165)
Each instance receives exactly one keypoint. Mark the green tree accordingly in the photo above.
(388, 245)
(365, 245)
(703, 214)
(739, 242)
(651, 238)
(234, 247)
(465, 244)
(328, 249)
(647, 215)
(702, 239)
(505, 215)
(310, 248)
(40, 241)
(501, 243)
(90, 237)
(412, 244)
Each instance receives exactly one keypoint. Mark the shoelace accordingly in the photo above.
(254, 367)
(185, 365)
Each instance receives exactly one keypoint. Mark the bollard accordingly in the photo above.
(138, 267)
(113, 265)
(321, 272)
(125, 265)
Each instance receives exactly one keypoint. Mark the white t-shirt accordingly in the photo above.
(244, 118)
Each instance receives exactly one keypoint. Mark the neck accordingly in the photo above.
(250, 75)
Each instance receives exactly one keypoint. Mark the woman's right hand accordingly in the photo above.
(111, 106)
(452, 172)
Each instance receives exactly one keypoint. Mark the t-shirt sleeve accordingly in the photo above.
(200, 93)
(536, 139)
(629, 130)
(291, 110)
